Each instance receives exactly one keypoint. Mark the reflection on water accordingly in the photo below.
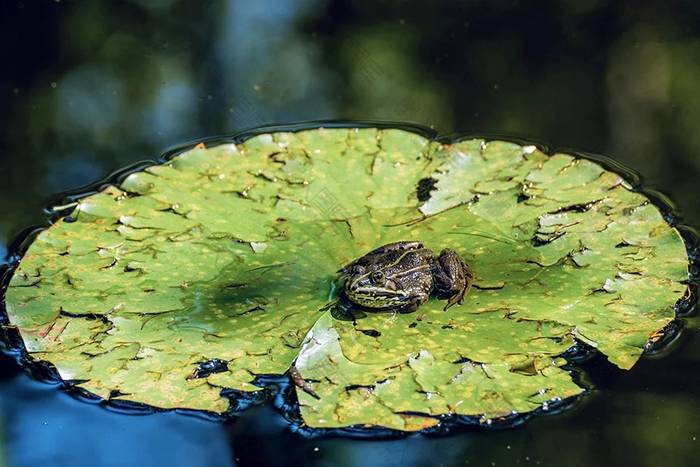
(89, 87)
(69, 432)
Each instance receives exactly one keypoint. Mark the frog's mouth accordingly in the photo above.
(378, 298)
(383, 294)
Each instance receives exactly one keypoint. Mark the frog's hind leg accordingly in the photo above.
(452, 277)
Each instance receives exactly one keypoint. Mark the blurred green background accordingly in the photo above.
(88, 87)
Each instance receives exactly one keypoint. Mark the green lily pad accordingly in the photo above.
(230, 254)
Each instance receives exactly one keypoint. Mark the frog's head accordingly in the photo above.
(373, 289)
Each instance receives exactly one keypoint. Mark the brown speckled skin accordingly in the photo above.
(402, 275)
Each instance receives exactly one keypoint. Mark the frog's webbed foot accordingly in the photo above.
(452, 277)
(455, 299)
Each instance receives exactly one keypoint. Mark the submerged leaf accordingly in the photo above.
(221, 264)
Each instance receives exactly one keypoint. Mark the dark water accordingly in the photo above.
(87, 88)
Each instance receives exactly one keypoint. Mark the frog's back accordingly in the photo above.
(410, 268)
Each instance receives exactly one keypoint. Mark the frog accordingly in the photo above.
(403, 275)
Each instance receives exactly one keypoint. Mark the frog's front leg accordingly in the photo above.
(452, 277)
(415, 301)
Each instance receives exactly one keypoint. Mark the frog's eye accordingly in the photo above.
(376, 276)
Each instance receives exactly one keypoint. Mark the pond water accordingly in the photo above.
(91, 87)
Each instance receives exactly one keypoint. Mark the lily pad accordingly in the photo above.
(220, 264)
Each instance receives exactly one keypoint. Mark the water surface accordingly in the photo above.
(90, 87)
